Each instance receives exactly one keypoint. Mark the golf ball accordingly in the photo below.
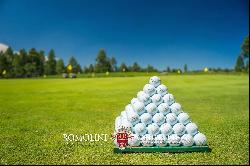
(118, 122)
(157, 99)
(124, 115)
(176, 108)
(168, 98)
(139, 107)
(171, 118)
(134, 140)
(200, 139)
(158, 118)
(191, 128)
(151, 108)
(147, 140)
(164, 108)
(183, 118)
(129, 107)
(161, 140)
(162, 90)
(174, 140)
(125, 125)
(134, 100)
(143, 97)
(149, 89)
(187, 140)
(153, 129)
(146, 118)
(166, 129)
(155, 81)
(133, 117)
(179, 129)
(140, 129)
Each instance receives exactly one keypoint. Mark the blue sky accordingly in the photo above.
(163, 33)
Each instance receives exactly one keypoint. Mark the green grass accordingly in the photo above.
(35, 113)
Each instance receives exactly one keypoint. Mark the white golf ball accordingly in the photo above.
(129, 108)
(200, 139)
(146, 118)
(118, 122)
(176, 108)
(171, 118)
(125, 125)
(183, 118)
(153, 129)
(162, 90)
(168, 98)
(192, 129)
(161, 140)
(143, 97)
(159, 118)
(147, 140)
(155, 81)
(149, 89)
(134, 140)
(124, 114)
(133, 117)
(157, 99)
(174, 140)
(179, 129)
(134, 100)
(139, 108)
(151, 108)
(187, 140)
(166, 129)
(140, 129)
(164, 108)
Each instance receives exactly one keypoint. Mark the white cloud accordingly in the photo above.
(3, 47)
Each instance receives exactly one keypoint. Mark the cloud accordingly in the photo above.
(3, 47)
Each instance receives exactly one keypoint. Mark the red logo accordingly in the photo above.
(121, 137)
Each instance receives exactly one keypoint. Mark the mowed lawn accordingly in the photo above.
(35, 113)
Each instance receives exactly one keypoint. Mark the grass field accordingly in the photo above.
(35, 113)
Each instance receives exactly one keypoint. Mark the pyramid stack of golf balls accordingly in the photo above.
(156, 119)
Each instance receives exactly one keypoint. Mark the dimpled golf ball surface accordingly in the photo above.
(155, 81)
(125, 125)
(153, 129)
(176, 108)
(166, 129)
(168, 98)
(183, 118)
(179, 129)
(139, 107)
(133, 117)
(134, 100)
(164, 108)
(143, 97)
(151, 108)
(146, 118)
(157, 99)
(191, 128)
(162, 90)
(158, 118)
(161, 140)
(174, 140)
(149, 89)
(187, 140)
(200, 139)
(134, 140)
(171, 118)
(147, 140)
(140, 129)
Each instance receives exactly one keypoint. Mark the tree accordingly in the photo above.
(136, 67)
(18, 70)
(123, 67)
(150, 68)
(245, 47)
(247, 66)
(91, 68)
(74, 64)
(50, 65)
(3, 63)
(102, 62)
(113, 64)
(78, 68)
(60, 68)
(168, 69)
(239, 64)
(185, 68)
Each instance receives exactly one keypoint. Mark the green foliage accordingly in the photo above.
(75, 66)
(50, 64)
(245, 47)
(60, 68)
(123, 67)
(135, 67)
(185, 68)
(239, 64)
(102, 62)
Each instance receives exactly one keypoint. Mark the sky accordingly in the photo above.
(199, 33)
